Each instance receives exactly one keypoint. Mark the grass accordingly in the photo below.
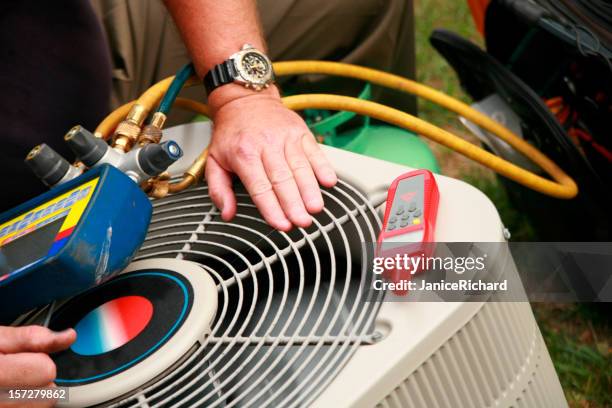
(578, 336)
(578, 339)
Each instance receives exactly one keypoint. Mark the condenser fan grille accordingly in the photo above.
(293, 307)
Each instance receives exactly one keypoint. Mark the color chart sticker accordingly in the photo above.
(112, 325)
(120, 323)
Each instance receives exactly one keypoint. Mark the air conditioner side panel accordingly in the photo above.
(483, 355)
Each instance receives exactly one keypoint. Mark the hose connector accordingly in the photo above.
(152, 133)
(193, 174)
(49, 166)
(196, 170)
(128, 130)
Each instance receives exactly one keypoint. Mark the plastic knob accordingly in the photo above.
(47, 164)
(88, 148)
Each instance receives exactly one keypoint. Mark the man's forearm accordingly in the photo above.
(213, 30)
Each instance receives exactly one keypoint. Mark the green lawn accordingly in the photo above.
(578, 335)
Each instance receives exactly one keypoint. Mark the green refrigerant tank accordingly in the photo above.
(384, 142)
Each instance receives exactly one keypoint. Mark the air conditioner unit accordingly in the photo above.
(294, 325)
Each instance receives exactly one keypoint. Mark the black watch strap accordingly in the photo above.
(221, 74)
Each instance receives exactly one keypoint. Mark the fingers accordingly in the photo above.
(249, 167)
(285, 187)
(34, 339)
(26, 370)
(282, 181)
(304, 176)
(220, 188)
(24, 361)
(322, 168)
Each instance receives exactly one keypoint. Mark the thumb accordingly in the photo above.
(36, 339)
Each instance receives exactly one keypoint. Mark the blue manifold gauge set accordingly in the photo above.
(85, 229)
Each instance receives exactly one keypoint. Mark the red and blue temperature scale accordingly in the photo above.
(69, 239)
(112, 324)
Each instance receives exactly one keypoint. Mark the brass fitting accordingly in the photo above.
(149, 134)
(79, 165)
(158, 120)
(152, 133)
(122, 143)
(32, 153)
(179, 186)
(159, 189)
(164, 176)
(128, 130)
(196, 170)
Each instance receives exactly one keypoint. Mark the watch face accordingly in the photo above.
(254, 68)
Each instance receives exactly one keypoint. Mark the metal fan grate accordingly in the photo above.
(293, 307)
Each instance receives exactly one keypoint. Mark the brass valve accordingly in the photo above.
(152, 133)
(128, 130)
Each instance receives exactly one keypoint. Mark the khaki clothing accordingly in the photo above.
(146, 47)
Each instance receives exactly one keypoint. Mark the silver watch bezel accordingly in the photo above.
(243, 77)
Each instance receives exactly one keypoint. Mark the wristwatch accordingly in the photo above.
(249, 67)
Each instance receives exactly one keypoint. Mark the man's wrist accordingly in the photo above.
(230, 92)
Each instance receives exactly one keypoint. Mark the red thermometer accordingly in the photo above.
(410, 218)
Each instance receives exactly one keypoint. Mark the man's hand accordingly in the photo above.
(269, 147)
(24, 360)
(272, 151)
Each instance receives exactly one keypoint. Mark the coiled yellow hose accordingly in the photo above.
(563, 186)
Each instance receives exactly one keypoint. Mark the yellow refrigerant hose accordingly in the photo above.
(563, 186)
